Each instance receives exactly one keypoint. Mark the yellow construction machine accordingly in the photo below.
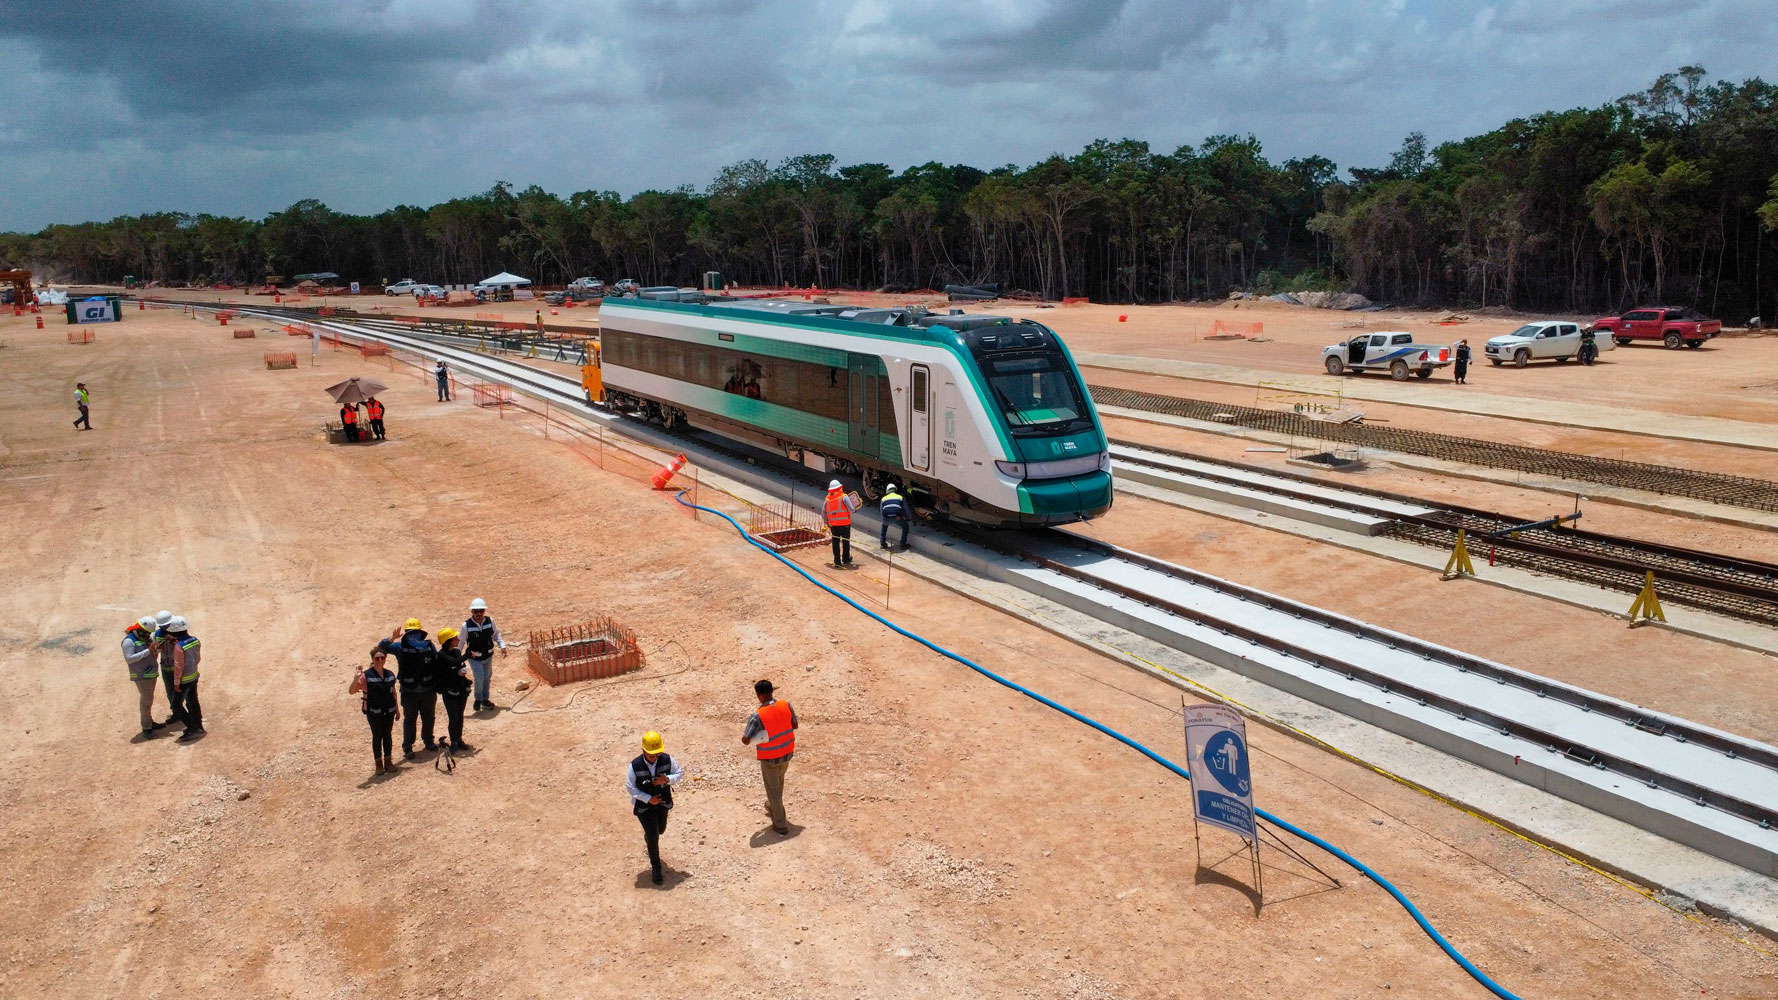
(591, 378)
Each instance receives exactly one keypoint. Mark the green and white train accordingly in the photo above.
(983, 418)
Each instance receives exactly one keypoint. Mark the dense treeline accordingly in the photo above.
(1668, 194)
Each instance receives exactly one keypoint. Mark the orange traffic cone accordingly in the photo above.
(140, 305)
(222, 318)
(668, 471)
(40, 322)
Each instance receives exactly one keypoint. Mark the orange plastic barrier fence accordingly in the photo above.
(280, 359)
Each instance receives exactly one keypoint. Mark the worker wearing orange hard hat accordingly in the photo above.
(650, 779)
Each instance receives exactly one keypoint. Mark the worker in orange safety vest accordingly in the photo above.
(772, 731)
(349, 421)
(374, 407)
(839, 524)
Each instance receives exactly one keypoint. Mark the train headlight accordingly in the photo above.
(1014, 469)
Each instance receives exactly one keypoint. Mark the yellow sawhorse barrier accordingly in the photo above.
(1459, 564)
(1647, 606)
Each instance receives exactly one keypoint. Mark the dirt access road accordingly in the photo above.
(953, 838)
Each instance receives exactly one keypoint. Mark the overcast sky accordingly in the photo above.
(110, 108)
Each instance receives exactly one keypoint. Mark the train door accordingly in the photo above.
(863, 383)
(920, 419)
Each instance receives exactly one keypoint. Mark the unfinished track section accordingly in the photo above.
(1733, 491)
(1742, 588)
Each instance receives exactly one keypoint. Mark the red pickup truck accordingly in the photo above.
(1669, 326)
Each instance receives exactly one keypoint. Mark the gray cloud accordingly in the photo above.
(207, 106)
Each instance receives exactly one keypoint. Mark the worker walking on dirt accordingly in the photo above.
(81, 399)
(650, 779)
(185, 652)
(838, 514)
(480, 636)
(139, 657)
(774, 728)
(349, 421)
(895, 510)
(1461, 369)
(377, 684)
(443, 375)
(453, 687)
(374, 407)
(416, 660)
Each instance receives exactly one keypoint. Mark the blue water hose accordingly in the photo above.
(1406, 903)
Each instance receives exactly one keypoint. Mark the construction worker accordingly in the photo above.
(480, 636)
(349, 421)
(186, 652)
(774, 727)
(139, 657)
(895, 509)
(650, 779)
(377, 684)
(838, 514)
(443, 375)
(81, 399)
(453, 686)
(1461, 369)
(416, 660)
(163, 652)
(374, 407)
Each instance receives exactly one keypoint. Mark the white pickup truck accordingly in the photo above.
(1544, 339)
(1390, 350)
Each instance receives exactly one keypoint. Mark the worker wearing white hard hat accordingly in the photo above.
(163, 651)
(836, 510)
(183, 654)
(895, 510)
(480, 637)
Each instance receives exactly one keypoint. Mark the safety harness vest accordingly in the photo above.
(142, 667)
(835, 509)
(479, 638)
(893, 505)
(376, 409)
(379, 691)
(186, 652)
(639, 768)
(780, 736)
(349, 415)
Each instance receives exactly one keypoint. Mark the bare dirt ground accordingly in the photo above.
(954, 839)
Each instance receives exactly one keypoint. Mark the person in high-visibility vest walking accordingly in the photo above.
(81, 399)
(839, 523)
(774, 727)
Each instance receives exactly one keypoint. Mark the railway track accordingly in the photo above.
(1733, 491)
(1712, 790)
(1743, 588)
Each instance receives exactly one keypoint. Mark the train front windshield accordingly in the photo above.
(1036, 392)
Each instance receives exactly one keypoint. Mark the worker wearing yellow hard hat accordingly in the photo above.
(650, 779)
(415, 674)
(452, 675)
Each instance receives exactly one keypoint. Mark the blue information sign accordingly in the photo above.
(1222, 781)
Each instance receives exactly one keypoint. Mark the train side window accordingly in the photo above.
(919, 390)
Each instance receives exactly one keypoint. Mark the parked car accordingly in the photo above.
(626, 286)
(1670, 326)
(1390, 350)
(1540, 340)
(428, 291)
(586, 288)
(403, 287)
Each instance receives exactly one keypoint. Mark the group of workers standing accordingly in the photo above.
(373, 410)
(837, 509)
(459, 665)
(162, 645)
(650, 777)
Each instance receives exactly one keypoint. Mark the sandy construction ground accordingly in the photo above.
(951, 838)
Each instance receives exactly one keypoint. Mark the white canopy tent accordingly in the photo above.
(505, 279)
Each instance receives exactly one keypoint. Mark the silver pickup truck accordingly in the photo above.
(1543, 339)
